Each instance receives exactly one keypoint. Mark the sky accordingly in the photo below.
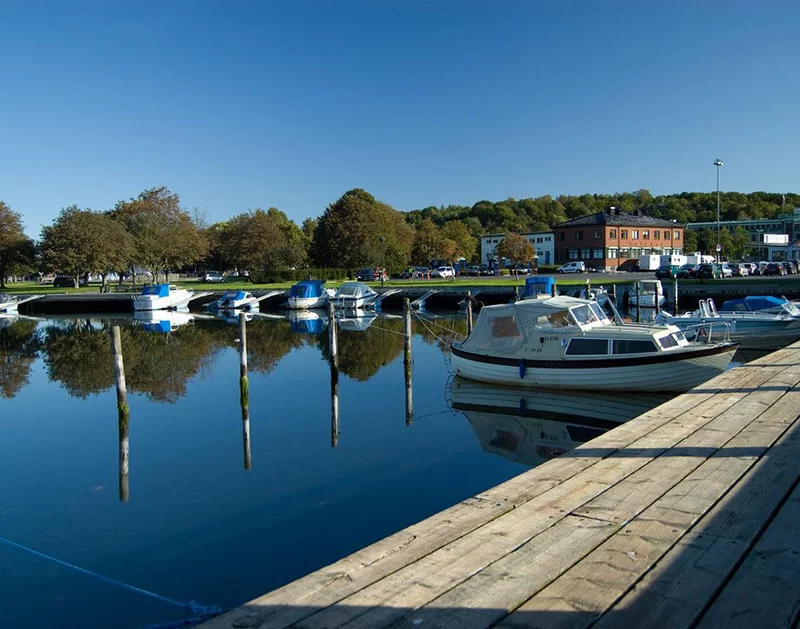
(240, 104)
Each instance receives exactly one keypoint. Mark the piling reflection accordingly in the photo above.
(333, 349)
(532, 425)
(244, 390)
(407, 362)
(123, 413)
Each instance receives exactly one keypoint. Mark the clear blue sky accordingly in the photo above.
(238, 104)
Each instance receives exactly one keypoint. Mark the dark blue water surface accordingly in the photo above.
(193, 523)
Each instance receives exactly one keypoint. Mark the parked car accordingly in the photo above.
(572, 267)
(774, 268)
(65, 281)
(687, 271)
(484, 269)
(444, 272)
(725, 270)
(667, 271)
(790, 270)
(740, 270)
(213, 276)
(371, 275)
(709, 271)
(520, 269)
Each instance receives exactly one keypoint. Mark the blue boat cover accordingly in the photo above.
(158, 326)
(160, 290)
(753, 303)
(307, 289)
(308, 326)
(539, 286)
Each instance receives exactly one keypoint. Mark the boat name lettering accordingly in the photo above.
(548, 338)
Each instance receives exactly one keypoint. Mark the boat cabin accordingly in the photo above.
(308, 289)
(538, 287)
(159, 290)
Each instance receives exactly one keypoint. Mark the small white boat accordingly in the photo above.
(762, 304)
(646, 294)
(569, 343)
(309, 294)
(354, 295)
(750, 329)
(237, 300)
(10, 303)
(162, 321)
(161, 297)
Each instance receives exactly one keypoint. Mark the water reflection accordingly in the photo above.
(532, 425)
(19, 346)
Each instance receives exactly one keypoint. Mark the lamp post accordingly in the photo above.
(718, 163)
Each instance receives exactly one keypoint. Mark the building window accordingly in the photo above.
(578, 235)
(612, 233)
(623, 233)
(624, 253)
(597, 254)
(635, 234)
(586, 254)
(573, 254)
(676, 236)
(539, 240)
(657, 234)
(646, 234)
(597, 234)
(612, 252)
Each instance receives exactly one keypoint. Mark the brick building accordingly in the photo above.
(607, 239)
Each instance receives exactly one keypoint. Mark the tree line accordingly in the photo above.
(153, 232)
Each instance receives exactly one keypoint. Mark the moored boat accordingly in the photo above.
(763, 304)
(569, 343)
(646, 294)
(354, 295)
(237, 300)
(161, 297)
(308, 294)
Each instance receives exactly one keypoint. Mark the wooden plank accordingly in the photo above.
(592, 586)
(685, 578)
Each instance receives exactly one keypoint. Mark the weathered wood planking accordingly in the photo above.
(639, 486)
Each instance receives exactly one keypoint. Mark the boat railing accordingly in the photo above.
(708, 332)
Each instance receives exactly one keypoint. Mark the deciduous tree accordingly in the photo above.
(16, 249)
(516, 248)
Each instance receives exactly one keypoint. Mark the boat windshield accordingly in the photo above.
(790, 308)
(350, 291)
(555, 319)
(586, 314)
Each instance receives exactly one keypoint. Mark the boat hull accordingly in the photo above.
(308, 303)
(148, 302)
(676, 371)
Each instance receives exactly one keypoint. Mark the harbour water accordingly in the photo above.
(184, 499)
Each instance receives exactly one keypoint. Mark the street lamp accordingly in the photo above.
(718, 163)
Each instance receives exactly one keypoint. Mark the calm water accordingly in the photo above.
(190, 522)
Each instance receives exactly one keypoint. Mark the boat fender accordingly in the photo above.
(521, 368)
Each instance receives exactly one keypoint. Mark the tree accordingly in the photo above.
(466, 245)
(428, 243)
(262, 240)
(165, 235)
(83, 241)
(740, 241)
(356, 230)
(516, 248)
(16, 249)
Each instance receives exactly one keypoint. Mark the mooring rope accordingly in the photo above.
(202, 612)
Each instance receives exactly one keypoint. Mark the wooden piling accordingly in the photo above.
(123, 414)
(334, 352)
(407, 364)
(244, 391)
(675, 295)
(469, 312)
(638, 302)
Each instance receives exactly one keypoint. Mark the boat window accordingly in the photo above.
(557, 319)
(504, 327)
(668, 341)
(587, 347)
(791, 309)
(584, 314)
(634, 347)
(598, 311)
(679, 336)
(582, 434)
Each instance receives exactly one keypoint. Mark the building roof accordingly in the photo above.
(615, 217)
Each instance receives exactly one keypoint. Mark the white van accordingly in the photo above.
(572, 267)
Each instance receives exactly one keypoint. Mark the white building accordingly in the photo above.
(543, 243)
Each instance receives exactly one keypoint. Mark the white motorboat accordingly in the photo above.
(10, 303)
(532, 425)
(237, 300)
(762, 304)
(161, 297)
(569, 343)
(646, 294)
(354, 295)
(309, 294)
(162, 321)
(751, 329)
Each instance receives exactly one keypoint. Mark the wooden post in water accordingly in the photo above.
(123, 413)
(675, 294)
(614, 293)
(244, 390)
(334, 351)
(469, 312)
(638, 302)
(407, 364)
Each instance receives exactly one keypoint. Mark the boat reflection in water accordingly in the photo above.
(355, 320)
(533, 425)
(307, 321)
(163, 321)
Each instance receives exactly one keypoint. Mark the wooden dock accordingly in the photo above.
(685, 516)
